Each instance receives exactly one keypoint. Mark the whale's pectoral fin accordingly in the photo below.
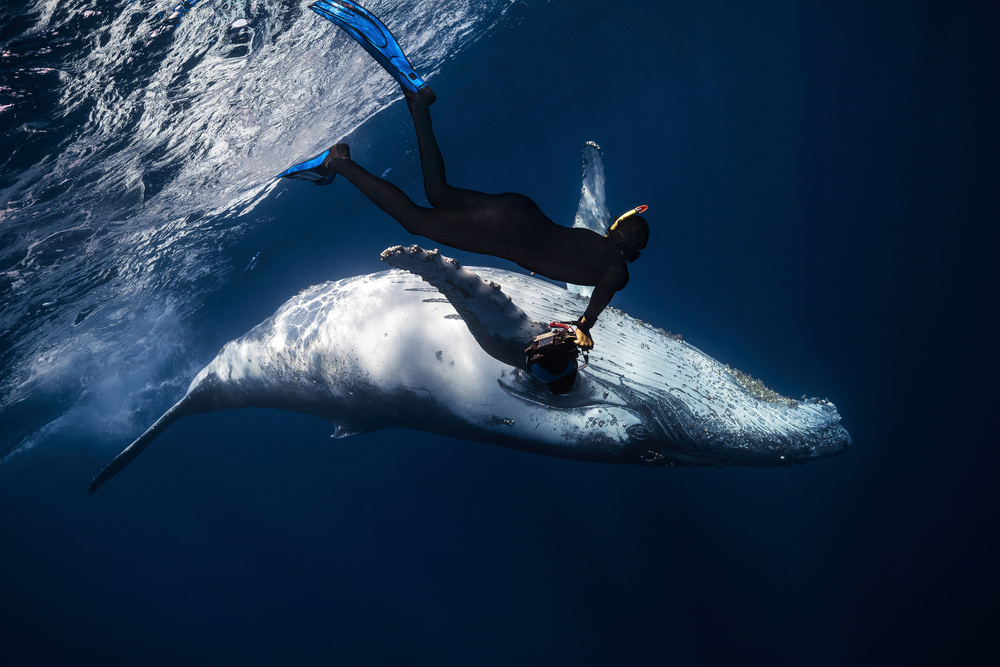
(501, 328)
(592, 211)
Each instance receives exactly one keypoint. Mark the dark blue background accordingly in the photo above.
(822, 182)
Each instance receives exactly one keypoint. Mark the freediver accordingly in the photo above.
(509, 226)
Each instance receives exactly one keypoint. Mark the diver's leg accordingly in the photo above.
(382, 193)
(439, 192)
(499, 229)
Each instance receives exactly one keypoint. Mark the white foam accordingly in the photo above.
(160, 158)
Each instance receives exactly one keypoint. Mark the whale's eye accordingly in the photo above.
(638, 431)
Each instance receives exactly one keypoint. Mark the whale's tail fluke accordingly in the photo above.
(180, 409)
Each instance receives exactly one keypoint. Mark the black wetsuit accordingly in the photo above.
(509, 226)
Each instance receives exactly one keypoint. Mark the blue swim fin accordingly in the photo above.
(306, 170)
(371, 34)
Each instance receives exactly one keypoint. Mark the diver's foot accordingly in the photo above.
(338, 154)
(420, 100)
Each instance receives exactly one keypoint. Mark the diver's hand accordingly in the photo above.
(583, 339)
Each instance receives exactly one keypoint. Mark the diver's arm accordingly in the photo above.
(614, 280)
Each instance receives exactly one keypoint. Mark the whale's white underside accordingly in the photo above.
(390, 349)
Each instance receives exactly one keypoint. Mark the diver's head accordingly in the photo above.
(630, 233)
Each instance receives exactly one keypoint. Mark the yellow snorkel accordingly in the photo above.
(635, 211)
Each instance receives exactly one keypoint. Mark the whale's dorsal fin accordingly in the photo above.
(501, 328)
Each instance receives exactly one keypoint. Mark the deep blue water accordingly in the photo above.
(822, 188)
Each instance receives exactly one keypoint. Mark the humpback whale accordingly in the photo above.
(433, 346)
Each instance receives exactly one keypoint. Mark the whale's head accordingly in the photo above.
(667, 433)
(614, 418)
(684, 408)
